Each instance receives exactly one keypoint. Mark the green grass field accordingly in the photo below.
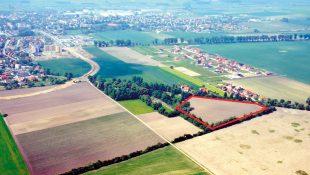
(137, 107)
(112, 67)
(195, 80)
(207, 78)
(168, 60)
(11, 161)
(66, 65)
(285, 58)
(163, 161)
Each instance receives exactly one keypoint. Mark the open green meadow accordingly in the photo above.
(66, 65)
(207, 78)
(11, 161)
(112, 67)
(195, 80)
(136, 107)
(168, 59)
(291, 59)
(163, 161)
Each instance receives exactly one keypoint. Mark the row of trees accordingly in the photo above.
(287, 104)
(208, 40)
(119, 43)
(188, 136)
(100, 164)
(238, 39)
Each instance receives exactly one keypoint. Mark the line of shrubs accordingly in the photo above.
(100, 164)
(188, 136)
(286, 104)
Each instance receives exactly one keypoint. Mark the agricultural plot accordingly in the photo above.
(11, 161)
(170, 128)
(277, 88)
(216, 110)
(76, 144)
(76, 103)
(198, 82)
(61, 130)
(136, 107)
(277, 144)
(112, 67)
(131, 56)
(284, 58)
(66, 65)
(163, 161)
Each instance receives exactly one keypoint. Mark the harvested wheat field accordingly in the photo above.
(76, 103)
(169, 128)
(131, 56)
(214, 110)
(61, 148)
(73, 127)
(276, 144)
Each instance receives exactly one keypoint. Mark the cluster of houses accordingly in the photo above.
(239, 91)
(216, 63)
(16, 67)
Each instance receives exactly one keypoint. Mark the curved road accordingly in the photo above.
(77, 52)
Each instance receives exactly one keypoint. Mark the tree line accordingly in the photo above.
(150, 93)
(238, 39)
(119, 43)
(287, 104)
(100, 164)
(206, 40)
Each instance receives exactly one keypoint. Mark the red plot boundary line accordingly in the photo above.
(225, 124)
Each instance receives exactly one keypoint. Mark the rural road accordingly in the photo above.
(77, 52)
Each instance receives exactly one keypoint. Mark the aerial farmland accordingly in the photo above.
(73, 122)
(216, 110)
(169, 128)
(157, 87)
(277, 144)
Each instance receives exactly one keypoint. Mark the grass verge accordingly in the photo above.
(11, 161)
